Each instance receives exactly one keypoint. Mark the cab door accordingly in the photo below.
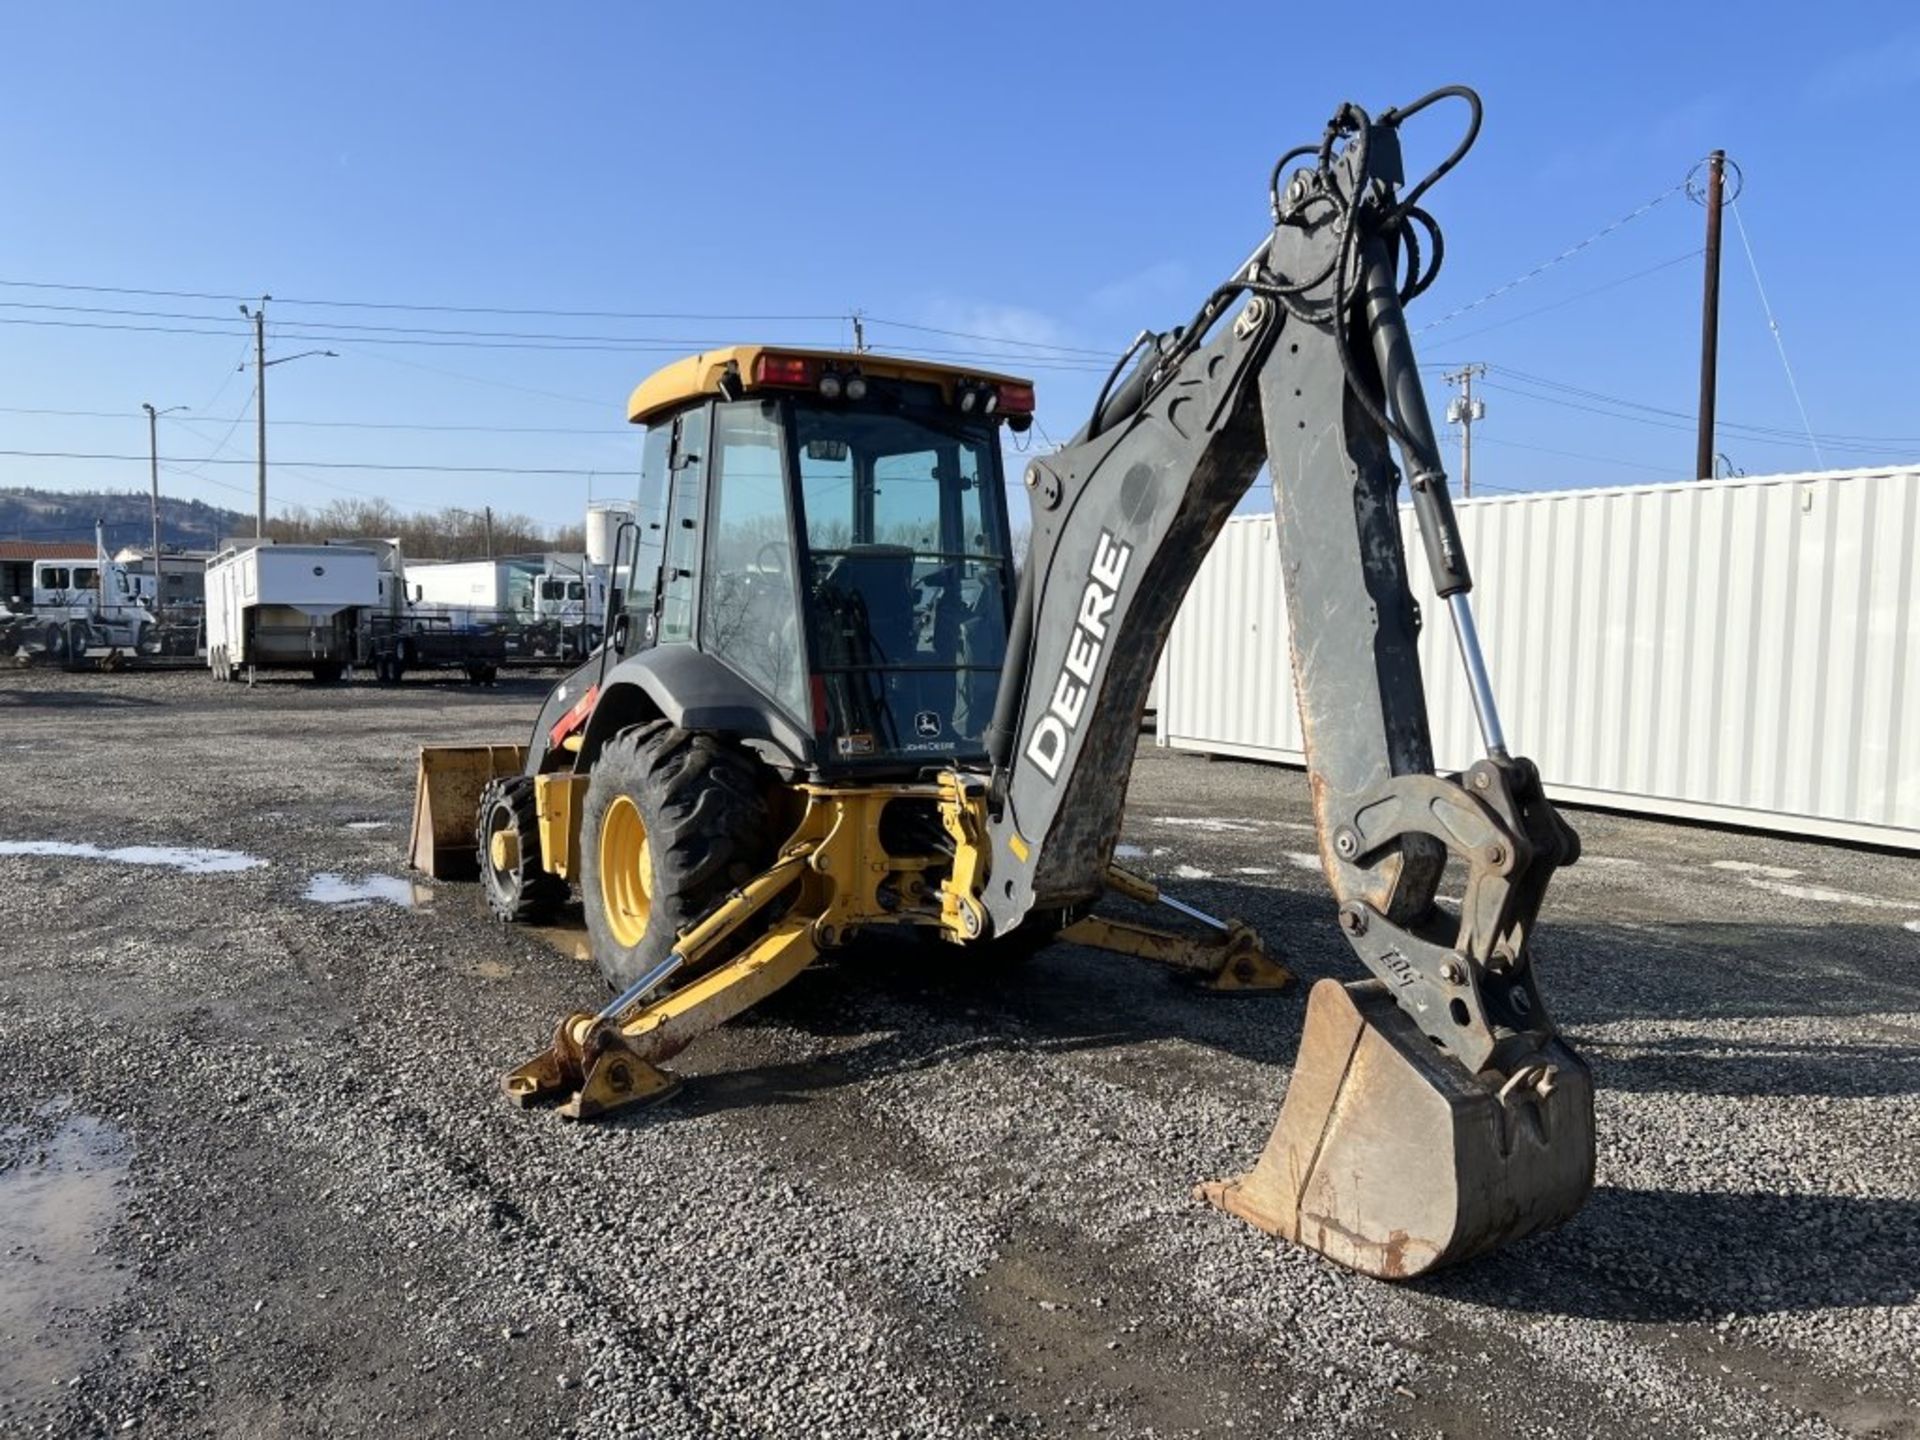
(678, 605)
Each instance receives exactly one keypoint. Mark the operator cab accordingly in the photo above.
(833, 528)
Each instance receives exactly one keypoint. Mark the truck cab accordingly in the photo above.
(81, 603)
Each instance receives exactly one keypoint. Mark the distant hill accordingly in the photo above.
(450, 533)
(27, 514)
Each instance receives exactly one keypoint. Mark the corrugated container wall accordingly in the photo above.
(1742, 650)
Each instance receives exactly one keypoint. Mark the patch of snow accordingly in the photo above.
(1304, 860)
(194, 861)
(1818, 896)
(369, 824)
(1191, 872)
(1256, 870)
(1748, 867)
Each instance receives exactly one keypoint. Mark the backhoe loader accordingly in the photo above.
(824, 707)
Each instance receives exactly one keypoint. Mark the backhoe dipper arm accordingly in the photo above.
(1315, 376)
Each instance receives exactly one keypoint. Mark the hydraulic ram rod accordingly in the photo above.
(1432, 505)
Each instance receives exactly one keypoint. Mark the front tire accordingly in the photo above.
(520, 889)
(674, 820)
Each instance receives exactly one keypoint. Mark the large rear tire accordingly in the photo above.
(520, 889)
(674, 820)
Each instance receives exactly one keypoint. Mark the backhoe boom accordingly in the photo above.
(1314, 376)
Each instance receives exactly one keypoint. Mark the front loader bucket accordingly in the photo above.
(1391, 1159)
(446, 804)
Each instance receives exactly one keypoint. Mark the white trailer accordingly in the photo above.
(500, 591)
(288, 607)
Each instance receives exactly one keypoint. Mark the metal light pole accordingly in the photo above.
(153, 460)
(260, 362)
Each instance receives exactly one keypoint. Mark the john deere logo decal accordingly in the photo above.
(927, 725)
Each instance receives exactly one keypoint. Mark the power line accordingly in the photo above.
(572, 345)
(1832, 438)
(1098, 354)
(1751, 435)
(1579, 295)
(310, 464)
(1774, 325)
(334, 424)
(534, 312)
(1573, 455)
(417, 308)
(1564, 255)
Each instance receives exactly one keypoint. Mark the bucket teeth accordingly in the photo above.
(1389, 1158)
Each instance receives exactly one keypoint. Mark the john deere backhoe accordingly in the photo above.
(824, 707)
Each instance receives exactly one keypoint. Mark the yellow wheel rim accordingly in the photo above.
(626, 872)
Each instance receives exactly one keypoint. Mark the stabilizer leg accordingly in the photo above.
(1231, 959)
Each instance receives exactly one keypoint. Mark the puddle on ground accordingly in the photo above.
(193, 860)
(61, 1196)
(329, 889)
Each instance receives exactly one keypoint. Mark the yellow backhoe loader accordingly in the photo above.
(824, 707)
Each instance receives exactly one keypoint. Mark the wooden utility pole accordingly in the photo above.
(259, 318)
(489, 523)
(1710, 316)
(1464, 411)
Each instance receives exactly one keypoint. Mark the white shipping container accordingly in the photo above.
(1743, 651)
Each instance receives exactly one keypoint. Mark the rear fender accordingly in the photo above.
(670, 682)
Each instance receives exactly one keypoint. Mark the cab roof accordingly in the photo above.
(700, 375)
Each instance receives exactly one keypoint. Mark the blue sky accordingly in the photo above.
(1054, 176)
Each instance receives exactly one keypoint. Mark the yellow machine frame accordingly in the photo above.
(833, 876)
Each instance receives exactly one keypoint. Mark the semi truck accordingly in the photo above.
(77, 605)
(288, 607)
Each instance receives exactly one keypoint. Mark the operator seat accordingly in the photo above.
(866, 606)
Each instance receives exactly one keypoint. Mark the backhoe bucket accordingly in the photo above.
(1391, 1159)
(446, 804)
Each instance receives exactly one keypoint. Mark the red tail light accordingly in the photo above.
(771, 369)
(1016, 399)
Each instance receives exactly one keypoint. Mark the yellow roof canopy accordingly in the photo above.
(699, 375)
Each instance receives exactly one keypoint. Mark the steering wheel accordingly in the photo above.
(779, 550)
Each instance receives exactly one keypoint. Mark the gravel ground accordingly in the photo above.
(256, 1177)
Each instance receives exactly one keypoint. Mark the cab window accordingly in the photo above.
(749, 616)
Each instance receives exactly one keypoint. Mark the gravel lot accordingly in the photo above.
(256, 1178)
